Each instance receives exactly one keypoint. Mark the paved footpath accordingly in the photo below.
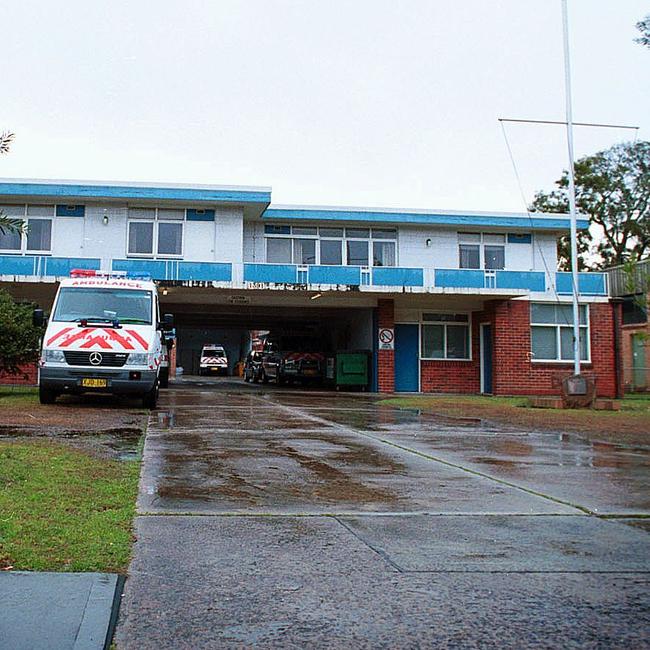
(271, 518)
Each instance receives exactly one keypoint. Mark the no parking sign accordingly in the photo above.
(386, 338)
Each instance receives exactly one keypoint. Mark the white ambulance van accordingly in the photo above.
(104, 335)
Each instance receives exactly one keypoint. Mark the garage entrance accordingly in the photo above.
(213, 317)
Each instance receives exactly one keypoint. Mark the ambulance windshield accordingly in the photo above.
(75, 304)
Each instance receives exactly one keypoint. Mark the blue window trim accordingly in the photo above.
(520, 238)
(64, 210)
(194, 214)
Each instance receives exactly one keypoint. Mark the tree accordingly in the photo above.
(6, 223)
(644, 27)
(613, 190)
(19, 338)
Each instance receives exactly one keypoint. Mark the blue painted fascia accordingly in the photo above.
(60, 190)
(497, 221)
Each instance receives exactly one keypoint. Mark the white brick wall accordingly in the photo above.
(412, 250)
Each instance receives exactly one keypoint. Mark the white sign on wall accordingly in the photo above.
(386, 338)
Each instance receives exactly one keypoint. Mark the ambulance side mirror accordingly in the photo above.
(38, 318)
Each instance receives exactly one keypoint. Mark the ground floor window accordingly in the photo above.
(445, 336)
(552, 332)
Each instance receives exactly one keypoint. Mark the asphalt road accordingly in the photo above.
(275, 518)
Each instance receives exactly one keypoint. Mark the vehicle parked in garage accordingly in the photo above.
(253, 366)
(289, 358)
(103, 335)
(214, 360)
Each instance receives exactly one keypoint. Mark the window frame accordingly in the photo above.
(467, 324)
(343, 239)
(155, 255)
(25, 218)
(481, 249)
(558, 335)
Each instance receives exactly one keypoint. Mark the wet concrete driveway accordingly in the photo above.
(271, 518)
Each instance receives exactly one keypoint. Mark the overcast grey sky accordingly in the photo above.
(357, 102)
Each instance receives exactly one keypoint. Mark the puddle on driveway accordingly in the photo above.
(115, 444)
(252, 450)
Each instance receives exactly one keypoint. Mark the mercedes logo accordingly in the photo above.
(95, 358)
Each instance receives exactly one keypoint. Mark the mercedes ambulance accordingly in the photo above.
(104, 334)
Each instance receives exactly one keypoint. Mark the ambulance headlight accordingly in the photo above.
(138, 359)
(53, 356)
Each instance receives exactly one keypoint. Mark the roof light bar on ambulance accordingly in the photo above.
(91, 273)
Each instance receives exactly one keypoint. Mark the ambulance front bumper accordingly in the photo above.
(80, 380)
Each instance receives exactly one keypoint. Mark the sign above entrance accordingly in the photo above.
(386, 338)
(239, 300)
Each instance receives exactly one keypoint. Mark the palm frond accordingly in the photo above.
(9, 225)
(6, 138)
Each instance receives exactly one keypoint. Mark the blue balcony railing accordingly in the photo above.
(40, 266)
(459, 278)
(177, 269)
(44, 265)
(271, 273)
(589, 284)
(387, 276)
(334, 275)
(531, 280)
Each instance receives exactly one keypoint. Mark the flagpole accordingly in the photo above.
(572, 193)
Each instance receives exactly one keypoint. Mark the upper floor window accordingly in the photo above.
(551, 328)
(330, 245)
(481, 251)
(155, 232)
(38, 235)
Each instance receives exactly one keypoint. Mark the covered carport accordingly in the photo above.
(205, 314)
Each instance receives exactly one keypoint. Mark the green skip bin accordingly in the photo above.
(349, 369)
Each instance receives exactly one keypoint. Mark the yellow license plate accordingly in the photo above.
(310, 372)
(86, 382)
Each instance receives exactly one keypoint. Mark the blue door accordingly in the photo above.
(486, 358)
(407, 359)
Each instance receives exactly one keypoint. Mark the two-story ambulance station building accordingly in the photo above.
(447, 301)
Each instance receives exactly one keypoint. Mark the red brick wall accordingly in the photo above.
(28, 376)
(513, 371)
(516, 374)
(385, 358)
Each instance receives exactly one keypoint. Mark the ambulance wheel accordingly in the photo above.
(46, 396)
(164, 378)
(150, 399)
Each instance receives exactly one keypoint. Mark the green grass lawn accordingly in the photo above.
(635, 403)
(18, 396)
(630, 425)
(64, 510)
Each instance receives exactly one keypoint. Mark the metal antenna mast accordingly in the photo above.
(572, 193)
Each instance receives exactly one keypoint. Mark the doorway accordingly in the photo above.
(407, 358)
